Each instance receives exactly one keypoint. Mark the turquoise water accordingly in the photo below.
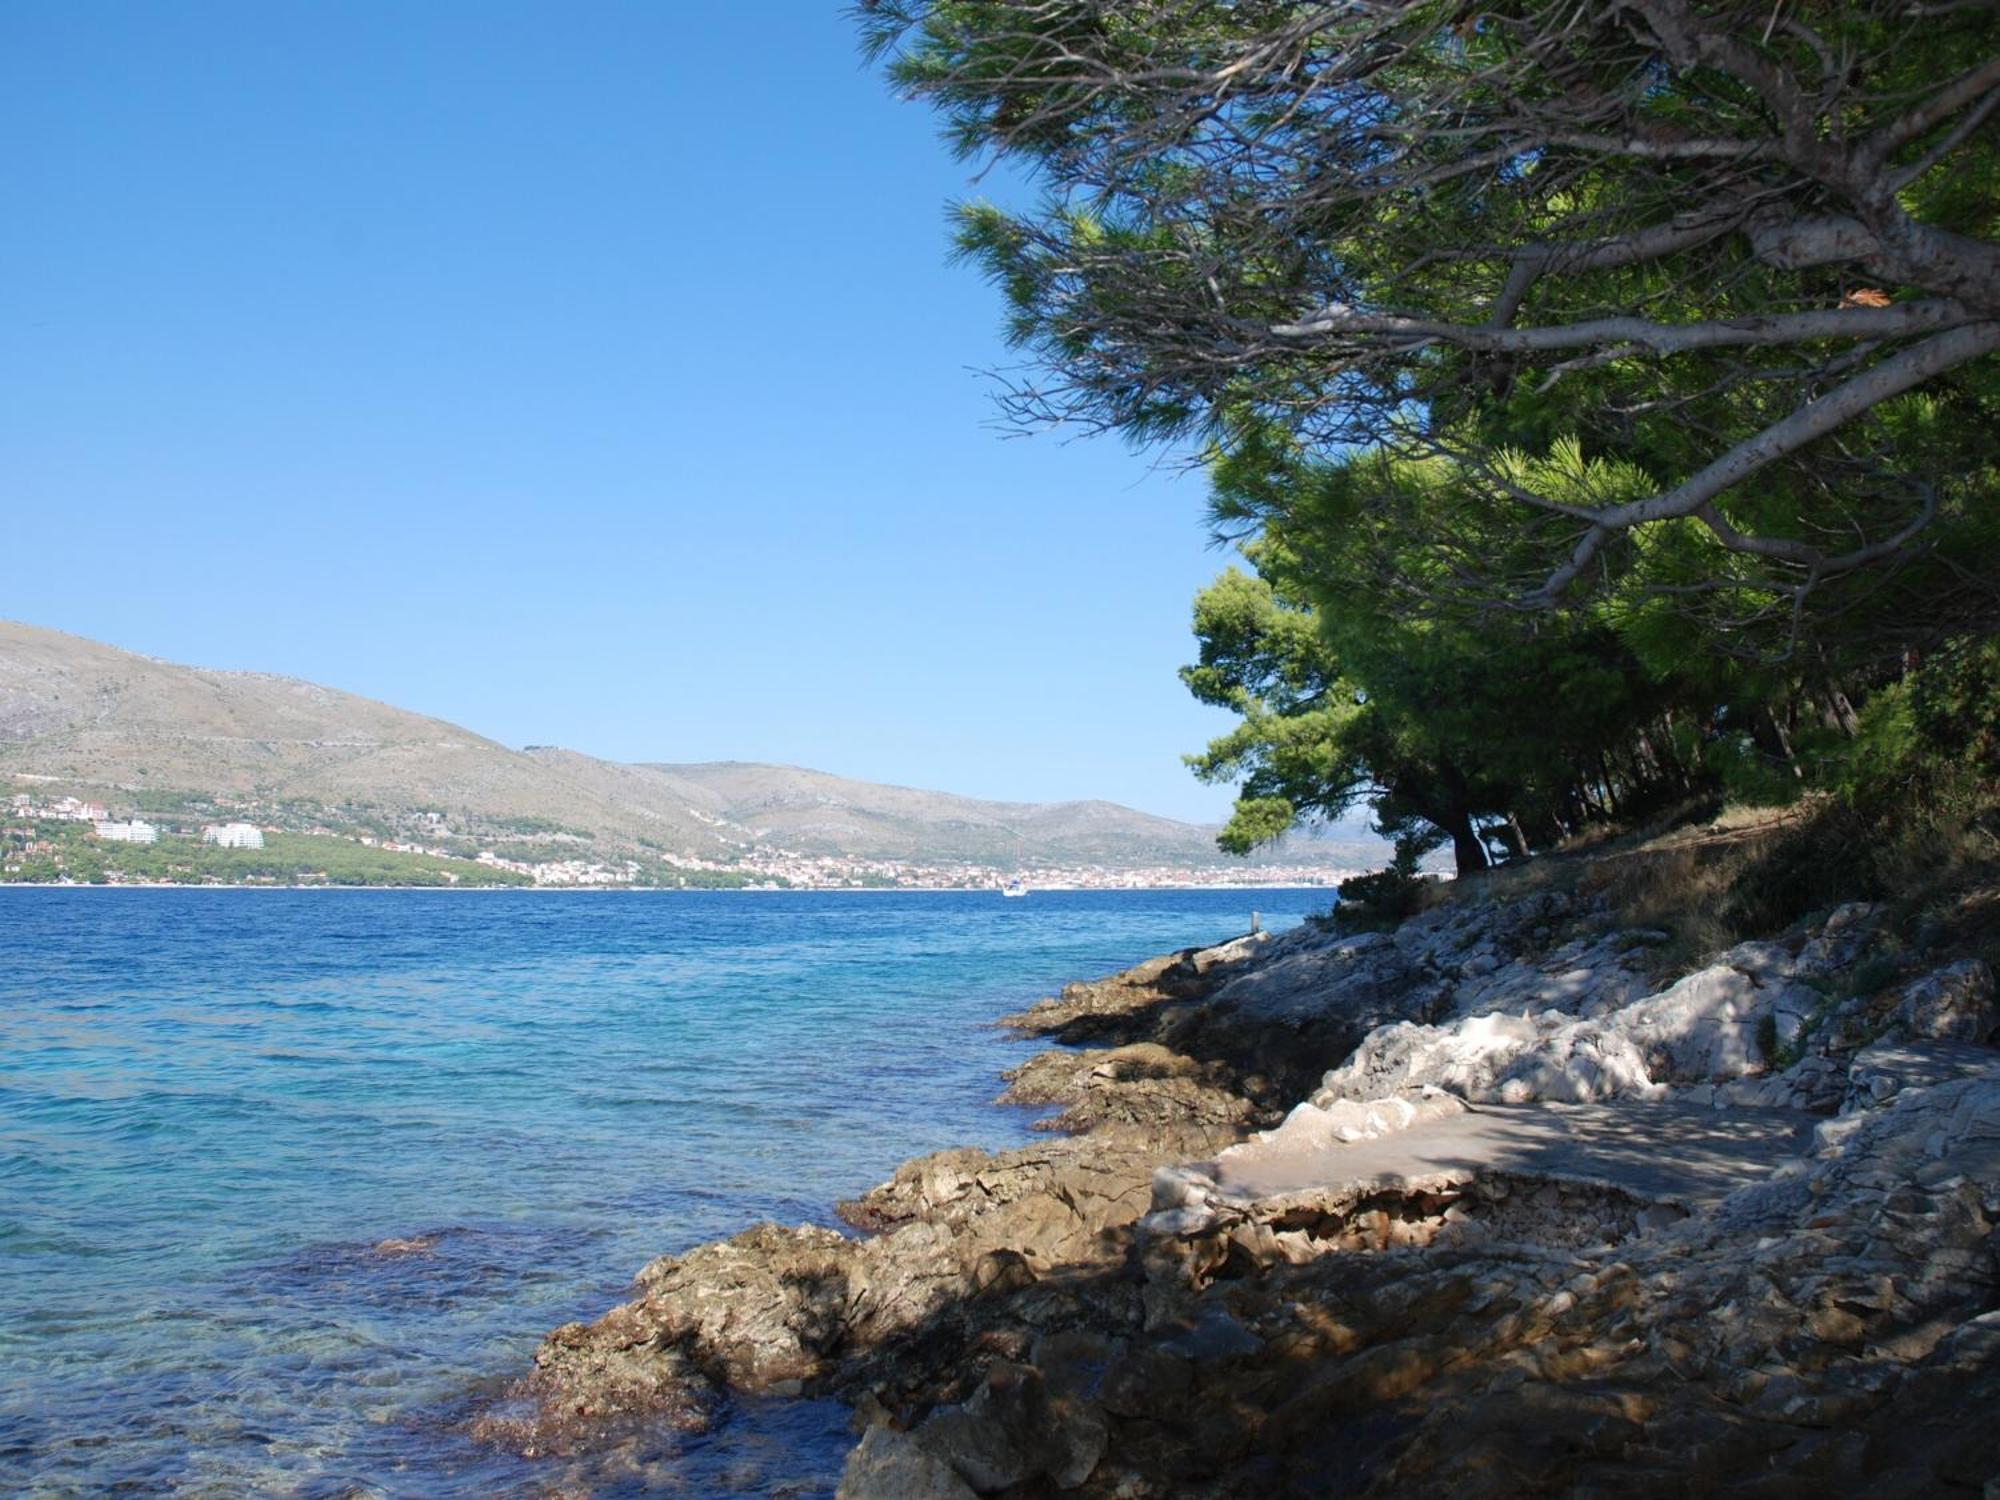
(216, 1106)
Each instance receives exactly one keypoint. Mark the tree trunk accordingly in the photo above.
(1784, 744)
(1670, 752)
(1468, 850)
(1585, 811)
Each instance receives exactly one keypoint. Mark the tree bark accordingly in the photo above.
(1468, 850)
(1784, 740)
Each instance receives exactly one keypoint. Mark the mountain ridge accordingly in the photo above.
(80, 711)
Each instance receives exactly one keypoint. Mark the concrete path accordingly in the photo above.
(1676, 1153)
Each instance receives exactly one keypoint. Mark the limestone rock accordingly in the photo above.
(1142, 1084)
(1351, 974)
(1952, 1004)
(1315, 1127)
(1814, 1084)
(1839, 942)
(1545, 1227)
(1880, 1072)
(1707, 1027)
(892, 1465)
(1012, 1431)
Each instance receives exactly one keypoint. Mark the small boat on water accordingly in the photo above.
(1014, 887)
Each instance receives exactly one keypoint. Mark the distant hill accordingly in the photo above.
(91, 715)
(816, 813)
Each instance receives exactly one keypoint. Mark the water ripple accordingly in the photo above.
(289, 1181)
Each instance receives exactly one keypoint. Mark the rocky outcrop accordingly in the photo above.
(1477, 1207)
(1455, 1156)
(1727, 1021)
(1954, 1004)
(1144, 1085)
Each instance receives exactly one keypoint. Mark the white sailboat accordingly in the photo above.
(1014, 885)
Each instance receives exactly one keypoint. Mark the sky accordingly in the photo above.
(589, 374)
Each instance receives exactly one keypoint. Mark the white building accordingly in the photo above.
(134, 832)
(233, 835)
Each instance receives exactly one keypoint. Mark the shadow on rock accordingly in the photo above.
(1662, 1293)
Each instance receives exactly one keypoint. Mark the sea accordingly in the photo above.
(292, 1183)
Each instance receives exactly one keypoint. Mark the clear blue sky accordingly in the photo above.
(585, 373)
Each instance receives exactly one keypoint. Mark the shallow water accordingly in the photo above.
(290, 1182)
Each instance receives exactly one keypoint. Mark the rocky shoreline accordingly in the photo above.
(1483, 1205)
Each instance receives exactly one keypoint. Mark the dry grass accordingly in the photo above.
(1966, 924)
(1724, 876)
(1681, 882)
(1676, 874)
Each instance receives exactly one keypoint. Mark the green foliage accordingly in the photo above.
(1932, 739)
(1451, 720)
(285, 859)
(1378, 901)
(1747, 775)
(1256, 821)
(1886, 749)
(1232, 191)
(1213, 174)
(1954, 706)
(1768, 1047)
(1873, 974)
(702, 880)
(534, 826)
(1916, 808)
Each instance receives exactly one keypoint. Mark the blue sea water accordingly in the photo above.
(217, 1107)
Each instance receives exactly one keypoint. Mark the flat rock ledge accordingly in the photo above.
(1479, 1207)
(1668, 1158)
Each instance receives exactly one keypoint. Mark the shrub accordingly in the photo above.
(1916, 805)
(1954, 706)
(1383, 898)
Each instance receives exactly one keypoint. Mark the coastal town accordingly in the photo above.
(779, 869)
(112, 830)
(62, 838)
